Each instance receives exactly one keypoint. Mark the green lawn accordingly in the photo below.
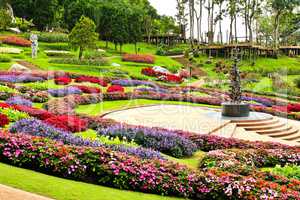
(104, 107)
(63, 189)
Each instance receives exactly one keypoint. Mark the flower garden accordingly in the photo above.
(50, 139)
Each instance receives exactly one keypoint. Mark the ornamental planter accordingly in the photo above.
(230, 109)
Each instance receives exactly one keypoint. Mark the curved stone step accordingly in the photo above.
(252, 121)
(285, 134)
(294, 137)
(259, 123)
(264, 127)
(274, 130)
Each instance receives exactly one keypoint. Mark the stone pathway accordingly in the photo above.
(9, 193)
(199, 120)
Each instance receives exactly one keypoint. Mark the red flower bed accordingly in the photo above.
(163, 76)
(91, 79)
(5, 105)
(172, 78)
(149, 72)
(139, 58)
(115, 88)
(13, 40)
(34, 112)
(293, 108)
(88, 90)
(68, 123)
(3, 120)
(63, 80)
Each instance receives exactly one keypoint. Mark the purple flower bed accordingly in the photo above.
(161, 140)
(18, 100)
(64, 92)
(26, 78)
(264, 101)
(132, 83)
(36, 127)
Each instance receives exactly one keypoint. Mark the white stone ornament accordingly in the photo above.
(34, 45)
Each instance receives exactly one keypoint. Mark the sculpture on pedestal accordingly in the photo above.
(235, 108)
(34, 45)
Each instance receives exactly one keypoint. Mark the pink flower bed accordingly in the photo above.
(149, 59)
(18, 41)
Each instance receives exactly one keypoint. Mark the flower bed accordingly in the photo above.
(37, 97)
(35, 127)
(91, 79)
(68, 123)
(212, 142)
(25, 78)
(247, 160)
(64, 92)
(18, 100)
(12, 114)
(62, 80)
(3, 120)
(161, 140)
(103, 166)
(18, 41)
(132, 83)
(171, 78)
(34, 112)
(115, 88)
(88, 90)
(149, 59)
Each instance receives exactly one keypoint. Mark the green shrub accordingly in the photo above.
(57, 46)
(289, 171)
(92, 135)
(23, 24)
(6, 89)
(58, 53)
(75, 61)
(297, 82)
(5, 19)
(5, 59)
(41, 86)
(51, 37)
(93, 54)
(13, 115)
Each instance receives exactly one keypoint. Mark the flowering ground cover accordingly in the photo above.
(49, 139)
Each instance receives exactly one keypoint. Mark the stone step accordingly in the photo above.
(260, 123)
(264, 127)
(252, 121)
(294, 137)
(274, 130)
(284, 134)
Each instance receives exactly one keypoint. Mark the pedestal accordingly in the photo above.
(235, 110)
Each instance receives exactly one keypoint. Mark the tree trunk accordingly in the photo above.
(277, 17)
(200, 19)
(80, 53)
(135, 47)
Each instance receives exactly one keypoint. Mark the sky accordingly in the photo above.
(168, 7)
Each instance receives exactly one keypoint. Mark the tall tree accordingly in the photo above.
(83, 35)
(181, 16)
(279, 8)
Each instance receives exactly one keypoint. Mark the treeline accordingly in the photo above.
(119, 21)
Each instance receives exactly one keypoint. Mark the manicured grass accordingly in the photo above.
(191, 162)
(101, 108)
(63, 189)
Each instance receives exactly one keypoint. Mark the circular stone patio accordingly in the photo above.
(200, 120)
